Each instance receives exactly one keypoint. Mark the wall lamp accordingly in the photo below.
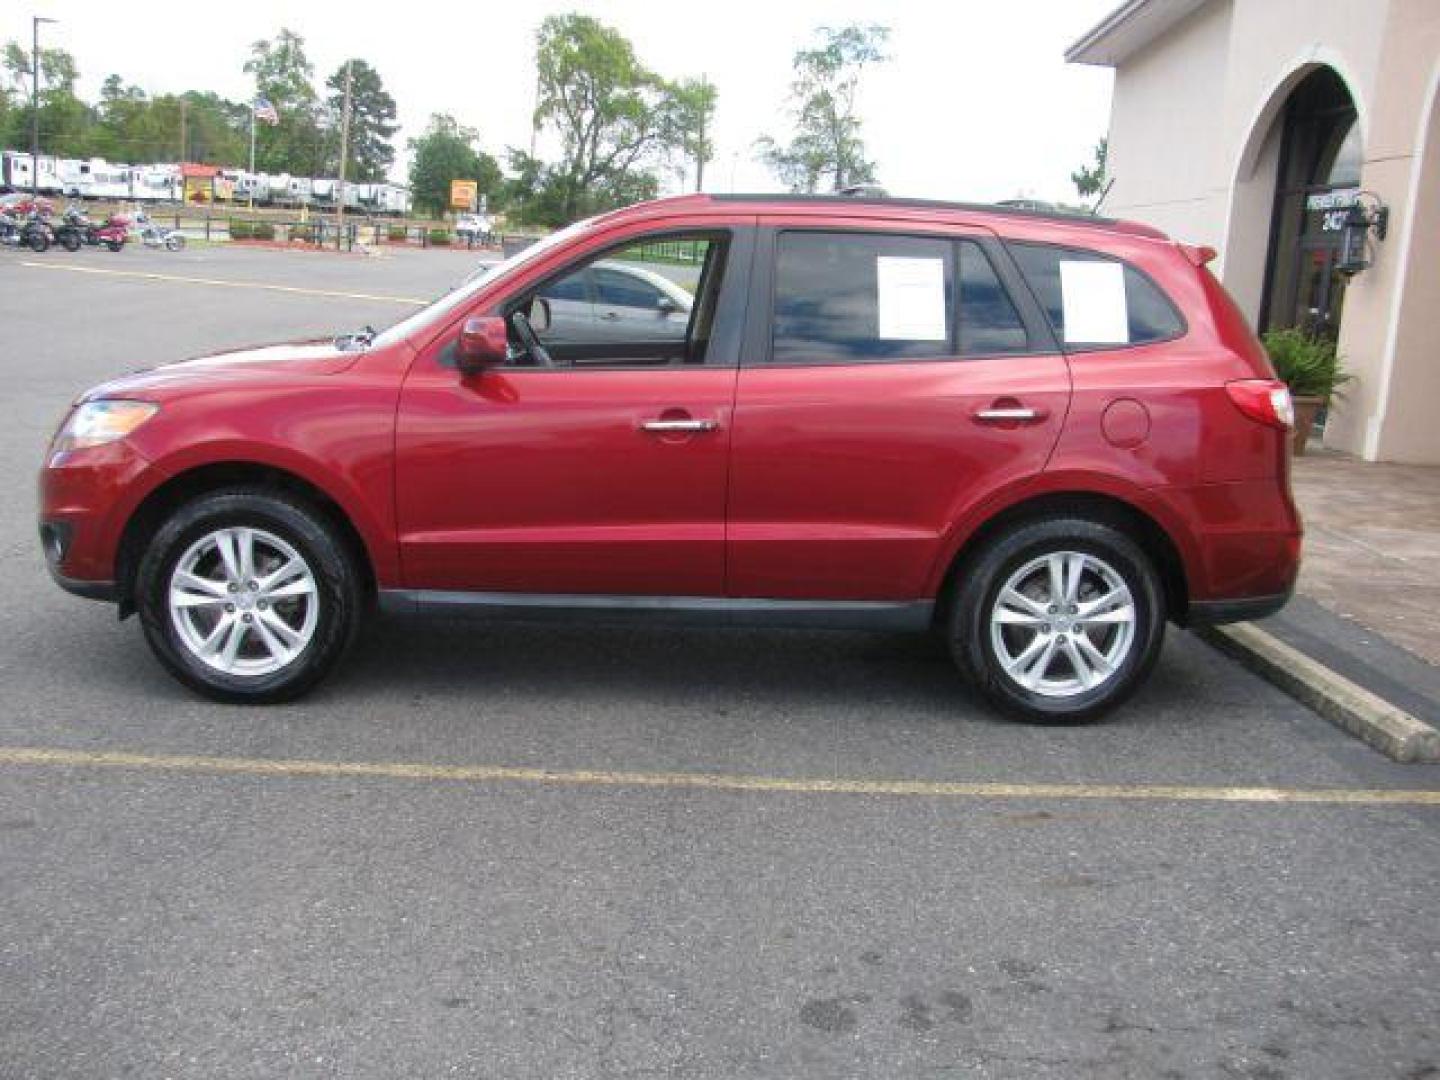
(1367, 214)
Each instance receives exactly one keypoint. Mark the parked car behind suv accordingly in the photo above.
(1040, 435)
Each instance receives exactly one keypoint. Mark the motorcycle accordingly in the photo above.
(153, 235)
(112, 234)
(30, 231)
(70, 232)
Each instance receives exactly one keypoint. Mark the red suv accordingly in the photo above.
(1041, 435)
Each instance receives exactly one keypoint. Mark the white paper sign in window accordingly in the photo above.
(1093, 295)
(911, 298)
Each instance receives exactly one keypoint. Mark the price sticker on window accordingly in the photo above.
(910, 298)
(1093, 297)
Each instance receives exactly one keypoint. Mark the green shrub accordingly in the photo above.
(240, 230)
(396, 234)
(301, 232)
(262, 230)
(1309, 364)
(440, 237)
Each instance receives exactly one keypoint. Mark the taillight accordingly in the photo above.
(1265, 400)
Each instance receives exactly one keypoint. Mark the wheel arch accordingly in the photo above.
(1107, 508)
(197, 480)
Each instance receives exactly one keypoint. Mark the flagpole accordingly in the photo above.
(252, 155)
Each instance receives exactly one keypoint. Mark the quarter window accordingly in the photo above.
(1093, 299)
(861, 297)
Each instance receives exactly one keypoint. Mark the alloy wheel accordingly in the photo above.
(1063, 624)
(243, 601)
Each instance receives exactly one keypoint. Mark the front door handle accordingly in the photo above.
(672, 426)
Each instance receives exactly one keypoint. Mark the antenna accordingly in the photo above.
(1095, 210)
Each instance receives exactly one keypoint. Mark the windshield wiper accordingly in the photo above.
(361, 339)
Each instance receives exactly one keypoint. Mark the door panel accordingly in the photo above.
(845, 479)
(545, 481)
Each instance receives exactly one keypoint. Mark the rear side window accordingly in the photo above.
(858, 297)
(989, 323)
(1096, 300)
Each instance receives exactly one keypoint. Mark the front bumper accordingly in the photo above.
(85, 500)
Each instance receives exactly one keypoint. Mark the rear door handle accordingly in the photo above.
(679, 425)
(1016, 414)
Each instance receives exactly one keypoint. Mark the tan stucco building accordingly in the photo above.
(1251, 126)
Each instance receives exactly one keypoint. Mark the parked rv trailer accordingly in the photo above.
(95, 178)
(155, 183)
(18, 172)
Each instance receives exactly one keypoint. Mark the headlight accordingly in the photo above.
(99, 422)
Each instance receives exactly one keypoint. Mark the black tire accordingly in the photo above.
(978, 588)
(115, 245)
(70, 241)
(38, 242)
(339, 592)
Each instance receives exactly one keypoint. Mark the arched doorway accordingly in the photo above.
(1316, 180)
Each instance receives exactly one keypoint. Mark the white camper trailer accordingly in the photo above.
(17, 174)
(155, 183)
(95, 178)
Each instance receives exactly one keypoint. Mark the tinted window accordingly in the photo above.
(857, 296)
(1148, 315)
(569, 287)
(989, 322)
(616, 288)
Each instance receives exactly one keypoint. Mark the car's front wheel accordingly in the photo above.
(248, 595)
(1058, 621)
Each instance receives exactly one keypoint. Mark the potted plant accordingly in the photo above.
(1311, 366)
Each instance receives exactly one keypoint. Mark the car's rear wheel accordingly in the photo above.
(248, 595)
(1058, 621)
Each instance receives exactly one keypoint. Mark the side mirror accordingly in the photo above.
(667, 307)
(539, 315)
(483, 344)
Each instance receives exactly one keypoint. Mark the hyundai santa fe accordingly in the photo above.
(1040, 436)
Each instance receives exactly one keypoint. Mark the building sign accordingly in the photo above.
(463, 194)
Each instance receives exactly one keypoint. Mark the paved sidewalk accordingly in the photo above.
(1372, 545)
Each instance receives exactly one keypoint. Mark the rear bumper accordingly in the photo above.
(1216, 612)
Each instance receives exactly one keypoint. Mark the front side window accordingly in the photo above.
(861, 297)
(650, 302)
(1095, 300)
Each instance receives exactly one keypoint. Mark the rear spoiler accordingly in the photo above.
(1198, 255)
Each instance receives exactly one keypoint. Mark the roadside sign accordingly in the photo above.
(463, 194)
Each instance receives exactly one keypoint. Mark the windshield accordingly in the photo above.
(443, 306)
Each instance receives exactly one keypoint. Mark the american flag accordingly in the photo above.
(265, 111)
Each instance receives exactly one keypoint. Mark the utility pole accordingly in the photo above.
(535, 117)
(700, 143)
(35, 21)
(344, 154)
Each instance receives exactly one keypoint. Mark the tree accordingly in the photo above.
(1090, 180)
(66, 122)
(827, 142)
(616, 120)
(282, 74)
(372, 121)
(445, 152)
(695, 119)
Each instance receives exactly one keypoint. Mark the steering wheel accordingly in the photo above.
(528, 338)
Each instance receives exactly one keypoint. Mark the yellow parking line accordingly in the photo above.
(399, 770)
(222, 283)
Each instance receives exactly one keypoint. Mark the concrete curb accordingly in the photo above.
(1391, 730)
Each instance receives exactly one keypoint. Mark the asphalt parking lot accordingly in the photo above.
(549, 852)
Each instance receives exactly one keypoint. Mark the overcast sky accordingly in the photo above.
(975, 103)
